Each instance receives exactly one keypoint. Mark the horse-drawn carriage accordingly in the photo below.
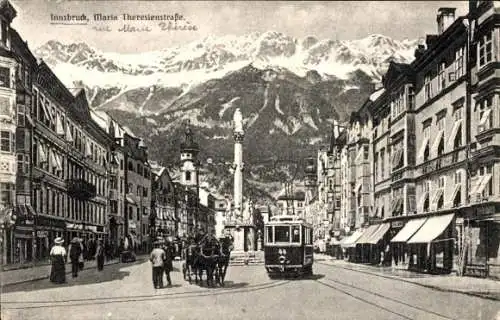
(209, 255)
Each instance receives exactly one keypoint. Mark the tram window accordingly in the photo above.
(270, 235)
(281, 233)
(296, 234)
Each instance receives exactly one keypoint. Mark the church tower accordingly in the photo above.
(189, 154)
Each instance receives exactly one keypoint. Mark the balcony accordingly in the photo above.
(441, 162)
(81, 189)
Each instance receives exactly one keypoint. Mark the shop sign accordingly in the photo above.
(42, 234)
(48, 222)
(397, 224)
(486, 210)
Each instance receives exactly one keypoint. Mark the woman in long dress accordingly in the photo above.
(57, 257)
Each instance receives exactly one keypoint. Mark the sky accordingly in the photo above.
(336, 20)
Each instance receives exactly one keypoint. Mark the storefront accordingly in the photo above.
(431, 247)
(47, 229)
(399, 247)
(348, 245)
(362, 245)
(379, 252)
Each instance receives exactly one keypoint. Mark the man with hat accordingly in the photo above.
(157, 259)
(75, 251)
(169, 256)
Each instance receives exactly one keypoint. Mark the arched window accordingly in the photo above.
(440, 202)
(426, 153)
(458, 139)
(426, 204)
(441, 147)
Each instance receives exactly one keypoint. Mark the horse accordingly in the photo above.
(226, 245)
(191, 265)
(209, 250)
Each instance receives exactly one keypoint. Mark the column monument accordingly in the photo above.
(240, 224)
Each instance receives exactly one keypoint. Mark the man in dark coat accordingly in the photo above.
(75, 251)
(167, 263)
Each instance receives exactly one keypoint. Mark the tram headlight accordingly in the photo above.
(282, 259)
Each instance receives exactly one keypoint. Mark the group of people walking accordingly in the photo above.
(161, 259)
(75, 254)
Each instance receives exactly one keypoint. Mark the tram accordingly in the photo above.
(288, 246)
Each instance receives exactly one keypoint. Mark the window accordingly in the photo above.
(441, 77)
(485, 49)
(4, 77)
(440, 122)
(427, 129)
(188, 176)
(4, 32)
(458, 114)
(376, 164)
(7, 141)
(145, 192)
(366, 152)
(138, 191)
(296, 234)
(138, 213)
(426, 186)
(23, 163)
(382, 163)
(130, 187)
(441, 181)
(398, 103)
(485, 118)
(21, 115)
(411, 98)
(457, 177)
(130, 213)
(6, 190)
(428, 86)
(282, 233)
(459, 62)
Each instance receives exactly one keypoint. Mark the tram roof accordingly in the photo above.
(287, 219)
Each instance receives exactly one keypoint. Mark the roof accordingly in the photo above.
(298, 195)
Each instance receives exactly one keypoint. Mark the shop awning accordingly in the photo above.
(379, 234)
(432, 228)
(409, 230)
(368, 233)
(350, 241)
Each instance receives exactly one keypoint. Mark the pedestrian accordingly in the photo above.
(82, 254)
(57, 258)
(100, 255)
(75, 251)
(167, 263)
(157, 257)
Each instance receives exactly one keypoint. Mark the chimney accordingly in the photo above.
(419, 51)
(445, 18)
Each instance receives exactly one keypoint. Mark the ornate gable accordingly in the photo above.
(395, 72)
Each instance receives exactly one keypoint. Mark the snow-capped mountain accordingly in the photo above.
(213, 57)
(290, 91)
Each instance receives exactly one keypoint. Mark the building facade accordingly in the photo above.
(17, 66)
(430, 135)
